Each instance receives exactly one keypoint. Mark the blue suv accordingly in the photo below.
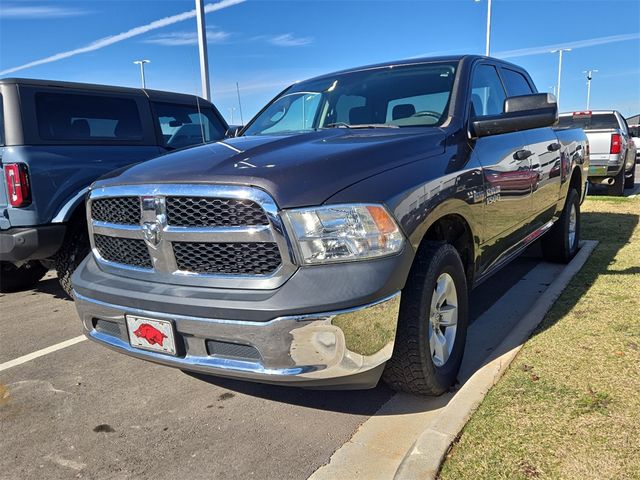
(56, 138)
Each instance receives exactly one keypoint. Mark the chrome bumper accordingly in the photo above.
(314, 348)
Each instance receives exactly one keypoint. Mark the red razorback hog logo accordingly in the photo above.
(150, 334)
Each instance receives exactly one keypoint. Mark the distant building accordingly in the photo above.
(635, 120)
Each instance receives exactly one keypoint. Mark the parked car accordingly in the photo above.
(58, 137)
(335, 240)
(612, 152)
(634, 131)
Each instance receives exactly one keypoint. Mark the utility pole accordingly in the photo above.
(560, 52)
(487, 48)
(141, 63)
(202, 46)
(589, 77)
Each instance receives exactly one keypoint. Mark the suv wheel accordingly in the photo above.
(74, 249)
(14, 278)
(630, 181)
(432, 326)
(617, 188)
(561, 243)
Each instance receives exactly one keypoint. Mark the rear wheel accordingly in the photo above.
(14, 278)
(432, 325)
(561, 243)
(617, 188)
(74, 249)
(630, 181)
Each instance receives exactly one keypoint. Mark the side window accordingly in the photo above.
(487, 92)
(77, 117)
(516, 83)
(184, 125)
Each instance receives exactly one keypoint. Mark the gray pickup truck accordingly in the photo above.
(336, 238)
(613, 153)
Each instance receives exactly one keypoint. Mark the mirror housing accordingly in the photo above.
(233, 131)
(520, 113)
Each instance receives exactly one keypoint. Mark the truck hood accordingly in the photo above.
(297, 170)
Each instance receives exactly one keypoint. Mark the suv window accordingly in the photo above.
(599, 121)
(184, 125)
(516, 83)
(77, 117)
(487, 92)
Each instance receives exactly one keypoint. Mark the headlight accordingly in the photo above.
(341, 233)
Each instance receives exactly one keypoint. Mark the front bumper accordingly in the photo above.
(340, 349)
(30, 243)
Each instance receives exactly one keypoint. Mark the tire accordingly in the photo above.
(74, 249)
(617, 189)
(629, 182)
(559, 244)
(413, 367)
(13, 279)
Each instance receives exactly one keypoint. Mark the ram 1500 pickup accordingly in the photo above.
(335, 240)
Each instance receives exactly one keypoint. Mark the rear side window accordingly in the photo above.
(487, 92)
(78, 117)
(184, 125)
(599, 121)
(515, 83)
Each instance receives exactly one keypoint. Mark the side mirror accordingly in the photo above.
(233, 131)
(520, 113)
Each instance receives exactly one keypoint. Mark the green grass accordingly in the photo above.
(569, 405)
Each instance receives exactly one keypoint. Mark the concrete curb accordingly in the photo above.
(425, 457)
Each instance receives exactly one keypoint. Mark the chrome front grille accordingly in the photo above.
(213, 212)
(190, 234)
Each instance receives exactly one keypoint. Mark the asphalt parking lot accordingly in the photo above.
(84, 411)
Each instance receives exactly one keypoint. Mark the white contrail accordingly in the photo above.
(110, 40)
(590, 42)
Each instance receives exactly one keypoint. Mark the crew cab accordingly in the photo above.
(335, 240)
(58, 137)
(613, 153)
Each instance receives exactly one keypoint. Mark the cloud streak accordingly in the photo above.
(34, 12)
(134, 32)
(289, 40)
(177, 39)
(590, 42)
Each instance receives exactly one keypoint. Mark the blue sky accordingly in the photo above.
(266, 45)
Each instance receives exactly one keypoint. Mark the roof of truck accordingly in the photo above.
(150, 93)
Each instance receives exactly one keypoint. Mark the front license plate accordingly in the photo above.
(151, 334)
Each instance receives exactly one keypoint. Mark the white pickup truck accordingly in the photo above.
(613, 153)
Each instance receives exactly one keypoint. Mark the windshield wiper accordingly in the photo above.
(360, 125)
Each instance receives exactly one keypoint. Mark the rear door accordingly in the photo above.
(545, 149)
(506, 170)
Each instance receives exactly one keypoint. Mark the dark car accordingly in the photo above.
(58, 137)
(336, 239)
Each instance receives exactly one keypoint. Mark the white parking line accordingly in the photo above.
(41, 353)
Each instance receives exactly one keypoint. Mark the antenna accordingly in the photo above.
(239, 103)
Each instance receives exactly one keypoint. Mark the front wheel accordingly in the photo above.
(14, 278)
(561, 243)
(75, 248)
(432, 325)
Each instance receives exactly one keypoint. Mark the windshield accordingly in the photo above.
(407, 96)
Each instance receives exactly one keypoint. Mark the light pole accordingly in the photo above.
(231, 110)
(560, 52)
(487, 48)
(202, 47)
(141, 63)
(589, 77)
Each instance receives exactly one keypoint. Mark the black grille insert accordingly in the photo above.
(232, 350)
(213, 212)
(227, 258)
(123, 250)
(122, 210)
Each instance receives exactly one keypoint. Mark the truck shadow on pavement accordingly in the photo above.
(51, 286)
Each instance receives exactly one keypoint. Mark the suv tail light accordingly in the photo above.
(17, 177)
(616, 143)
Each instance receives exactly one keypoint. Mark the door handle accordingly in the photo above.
(522, 154)
(553, 147)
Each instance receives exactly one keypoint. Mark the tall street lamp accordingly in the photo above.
(202, 48)
(560, 52)
(141, 63)
(487, 48)
(589, 77)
